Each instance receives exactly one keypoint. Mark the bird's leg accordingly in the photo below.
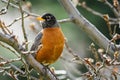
(46, 68)
(52, 71)
(44, 76)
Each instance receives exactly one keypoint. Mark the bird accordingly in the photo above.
(49, 42)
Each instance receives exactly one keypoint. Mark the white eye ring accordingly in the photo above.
(48, 18)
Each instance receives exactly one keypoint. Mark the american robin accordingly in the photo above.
(49, 42)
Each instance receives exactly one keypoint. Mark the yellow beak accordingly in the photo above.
(40, 19)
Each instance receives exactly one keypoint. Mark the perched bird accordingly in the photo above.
(49, 42)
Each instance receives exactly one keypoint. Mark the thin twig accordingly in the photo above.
(65, 20)
(12, 75)
(17, 7)
(3, 69)
(100, 67)
(4, 10)
(115, 37)
(94, 51)
(8, 4)
(26, 67)
(76, 57)
(4, 28)
(17, 69)
(6, 61)
(17, 19)
(112, 7)
(3, 45)
(83, 4)
(23, 27)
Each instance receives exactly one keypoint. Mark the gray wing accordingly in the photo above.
(35, 46)
(36, 42)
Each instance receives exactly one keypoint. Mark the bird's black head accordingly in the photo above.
(49, 21)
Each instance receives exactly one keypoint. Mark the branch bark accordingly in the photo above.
(85, 25)
(10, 41)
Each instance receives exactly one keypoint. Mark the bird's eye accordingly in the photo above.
(48, 18)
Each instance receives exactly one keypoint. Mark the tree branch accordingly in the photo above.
(112, 7)
(15, 6)
(10, 41)
(83, 4)
(23, 27)
(85, 25)
(65, 20)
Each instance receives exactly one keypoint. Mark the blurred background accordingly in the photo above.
(76, 38)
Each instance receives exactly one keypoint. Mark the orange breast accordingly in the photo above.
(52, 46)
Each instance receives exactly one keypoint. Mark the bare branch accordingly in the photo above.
(9, 61)
(15, 6)
(83, 4)
(23, 27)
(111, 6)
(115, 37)
(94, 51)
(65, 20)
(85, 25)
(10, 41)
(8, 4)
(3, 11)
(76, 58)
(9, 49)
(17, 19)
